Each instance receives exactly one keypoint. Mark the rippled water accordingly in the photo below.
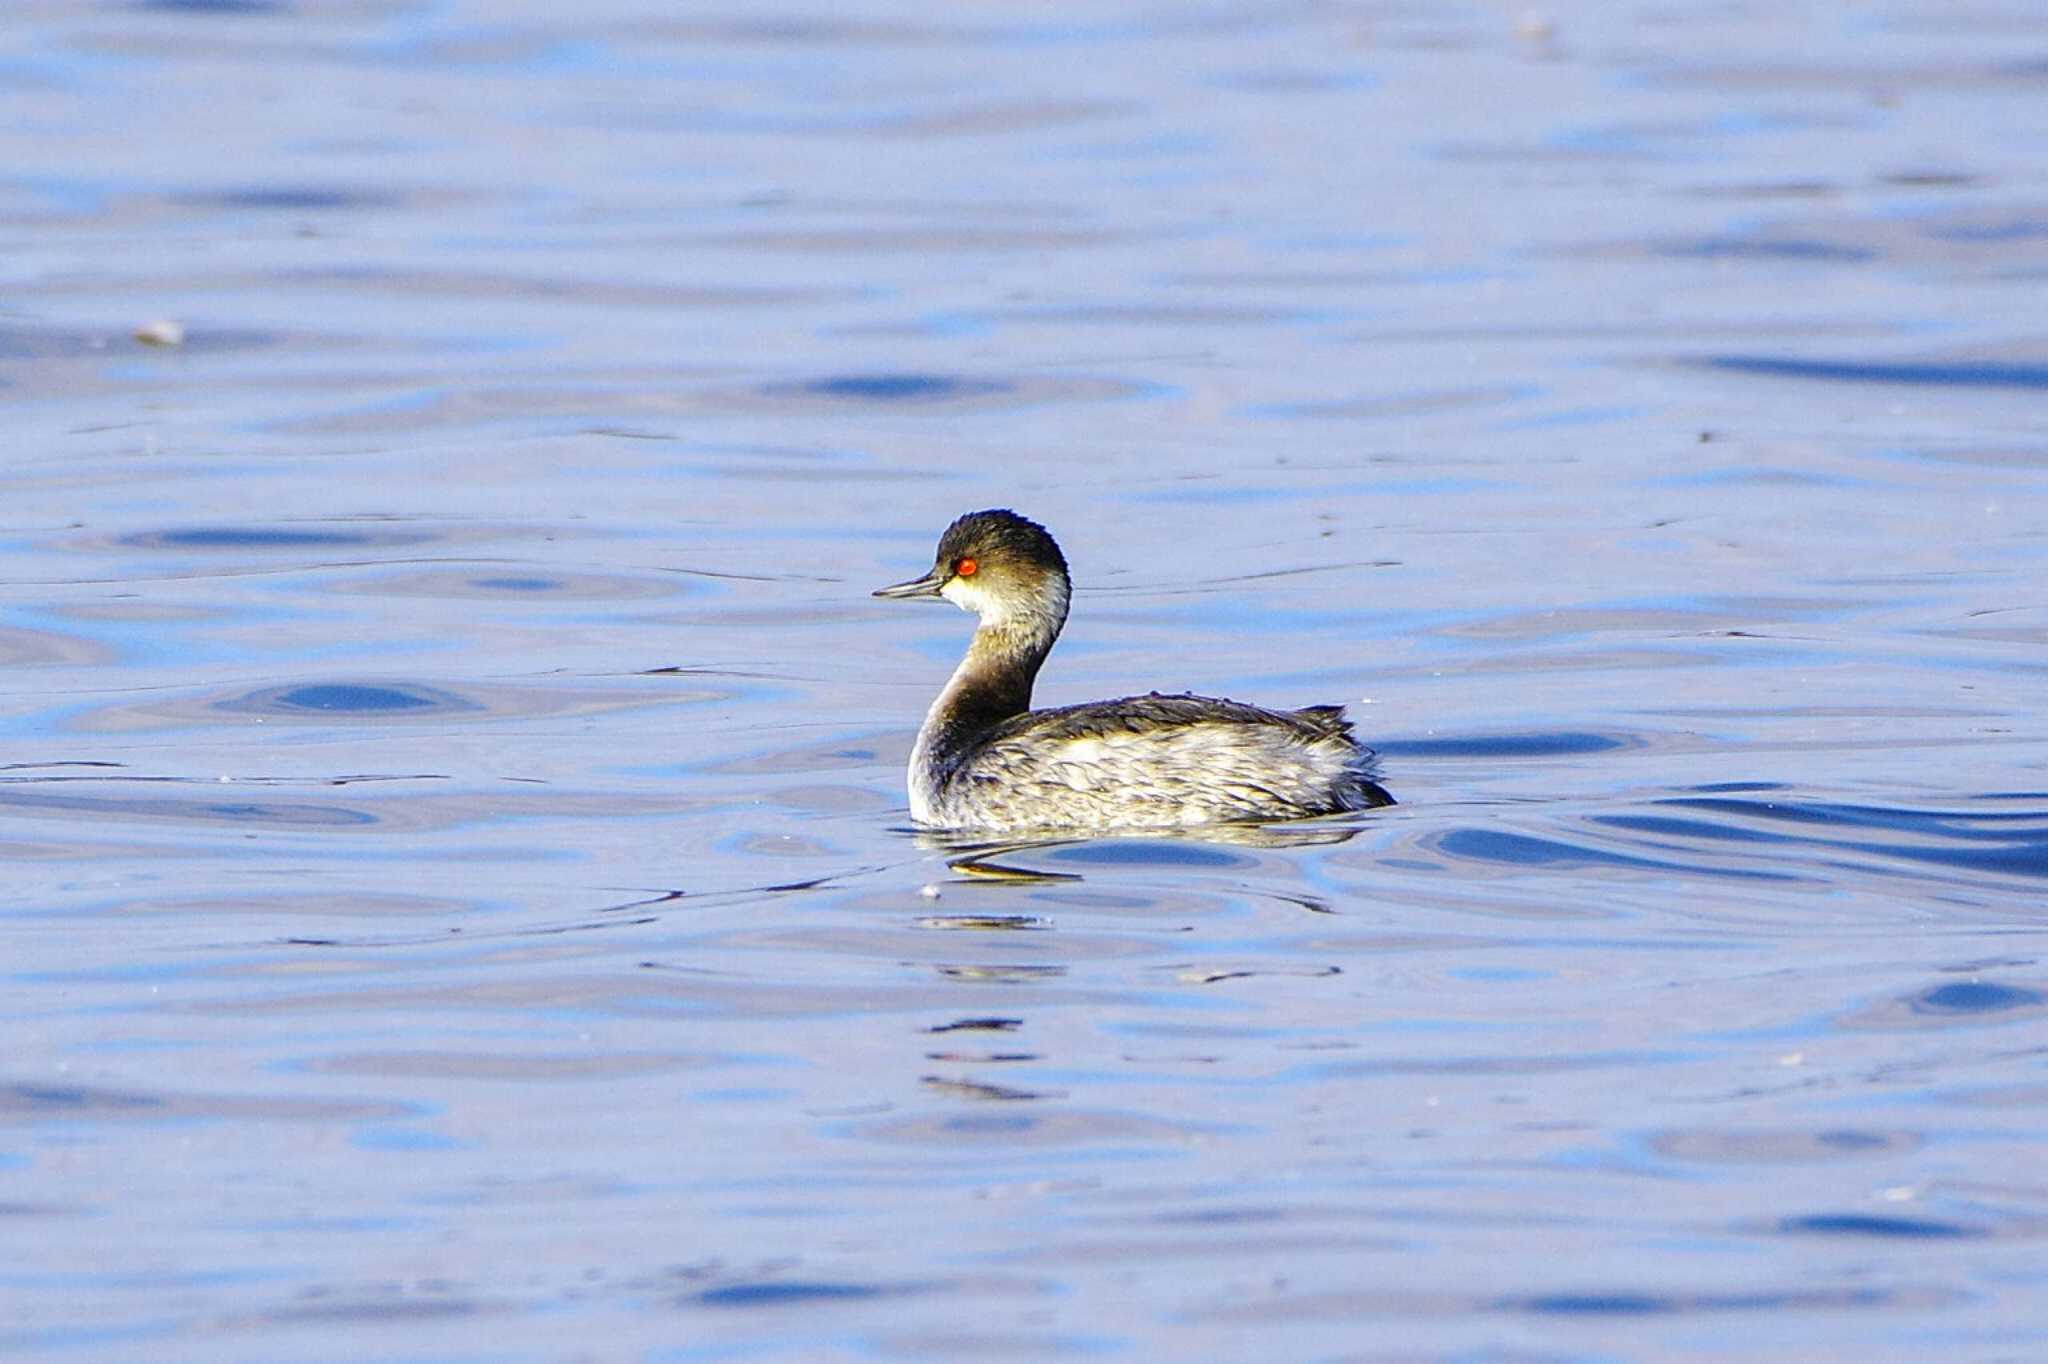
(461, 904)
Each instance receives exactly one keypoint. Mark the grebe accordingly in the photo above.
(985, 760)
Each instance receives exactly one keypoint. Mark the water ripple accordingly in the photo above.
(384, 702)
(933, 392)
(1981, 374)
(2003, 842)
(47, 1102)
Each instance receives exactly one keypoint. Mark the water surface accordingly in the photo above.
(461, 899)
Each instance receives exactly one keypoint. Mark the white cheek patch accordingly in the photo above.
(968, 597)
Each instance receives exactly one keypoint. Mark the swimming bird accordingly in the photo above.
(984, 760)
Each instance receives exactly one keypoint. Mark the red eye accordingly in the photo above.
(965, 567)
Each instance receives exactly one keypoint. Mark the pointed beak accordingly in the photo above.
(927, 586)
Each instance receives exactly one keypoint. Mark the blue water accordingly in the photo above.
(461, 898)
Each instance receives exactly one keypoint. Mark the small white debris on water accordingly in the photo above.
(929, 891)
(162, 332)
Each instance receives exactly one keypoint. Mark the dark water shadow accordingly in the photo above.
(1952, 1004)
(1505, 847)
(1615, 1303)
(2001, 842)
(1716, 1146)
(1877, 1227)
(355, 700)
(1959, 375)
(282, 198)
(270, 538)
(919, 391)
(378, 702)
(220, 7)
(1535, 744)
(234, 813)
(794, 1294)
(20, 1103)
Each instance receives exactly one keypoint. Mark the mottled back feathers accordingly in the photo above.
(1160, 761)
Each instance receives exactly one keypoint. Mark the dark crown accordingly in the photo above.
(999, 534)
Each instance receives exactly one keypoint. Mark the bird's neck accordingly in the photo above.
(992, 684)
